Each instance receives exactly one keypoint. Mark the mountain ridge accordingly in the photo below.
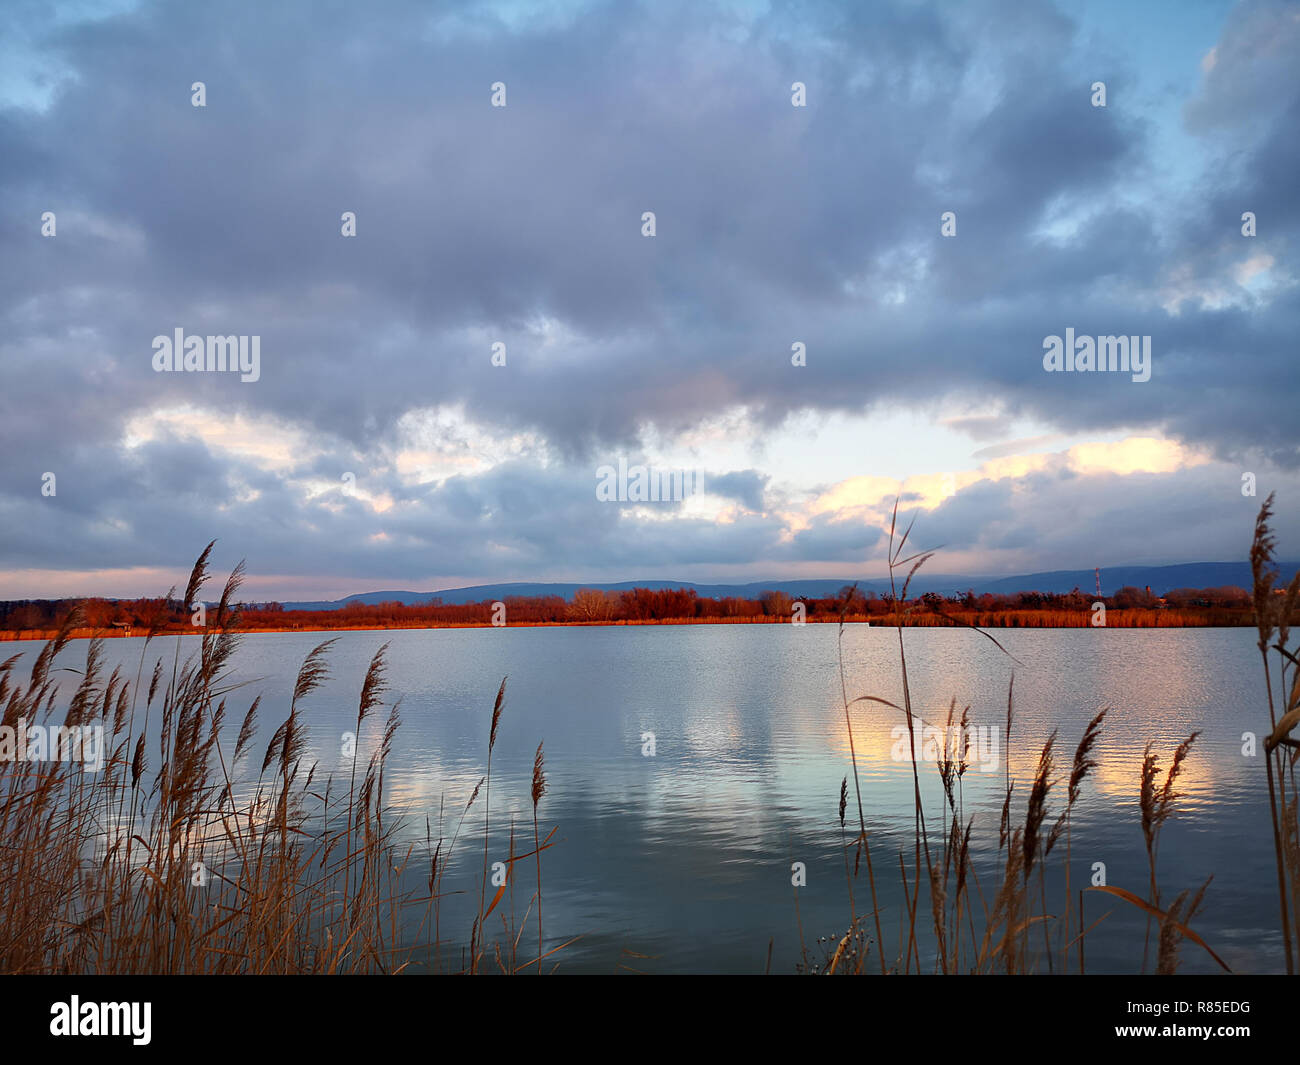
(1161, 579)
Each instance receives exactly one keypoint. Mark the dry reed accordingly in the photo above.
(957, 902)
(221, 859)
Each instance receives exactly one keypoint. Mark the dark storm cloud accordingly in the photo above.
(1192, 513)
(477, 224)
(744, 486)
(843, 540)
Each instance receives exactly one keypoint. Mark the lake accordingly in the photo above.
(681, 861)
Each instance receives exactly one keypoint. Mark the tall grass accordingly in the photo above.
(1274, 609)
(186, 854)
(1007, 925)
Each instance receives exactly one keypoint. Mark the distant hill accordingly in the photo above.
(1162, 579)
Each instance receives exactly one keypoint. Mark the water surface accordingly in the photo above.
(681, 862)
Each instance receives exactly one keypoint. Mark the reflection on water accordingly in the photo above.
(685, 856)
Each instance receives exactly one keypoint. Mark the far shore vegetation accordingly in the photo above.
(1129, 607)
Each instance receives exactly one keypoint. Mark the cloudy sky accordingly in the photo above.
(522, 225)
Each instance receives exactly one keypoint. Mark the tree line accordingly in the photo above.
(1192, 606)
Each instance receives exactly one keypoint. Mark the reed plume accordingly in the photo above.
(539, 789)
(1268, 618)
(487, 815)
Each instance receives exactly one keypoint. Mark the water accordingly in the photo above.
(681, 862)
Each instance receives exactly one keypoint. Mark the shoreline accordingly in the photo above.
(1137, 618)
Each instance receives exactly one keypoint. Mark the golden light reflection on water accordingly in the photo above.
(1176, 676)
(883, 750)
(717, 735)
